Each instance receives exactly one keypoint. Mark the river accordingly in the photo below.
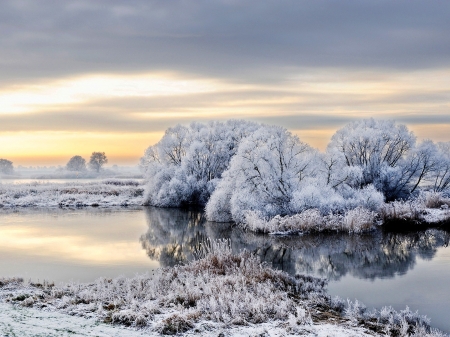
(378, 268)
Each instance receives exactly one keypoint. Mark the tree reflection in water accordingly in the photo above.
(174, 235)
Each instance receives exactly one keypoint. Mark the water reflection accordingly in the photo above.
(173, 236)
(72, 244)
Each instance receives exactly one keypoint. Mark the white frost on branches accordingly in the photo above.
(185, 165)
(236, 167)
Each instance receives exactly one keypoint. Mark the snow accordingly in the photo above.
(28, 322)
(105, 193)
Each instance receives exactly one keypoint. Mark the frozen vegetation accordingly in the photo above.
(219, 292)
(104, 193)
(265, 179)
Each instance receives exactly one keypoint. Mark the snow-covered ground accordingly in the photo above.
(27, 322)
(104, 193)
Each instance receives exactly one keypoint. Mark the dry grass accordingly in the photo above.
(353, 221)
(428, 207)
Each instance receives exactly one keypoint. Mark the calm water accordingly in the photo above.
(377, 268)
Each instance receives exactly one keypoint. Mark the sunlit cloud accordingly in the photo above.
(122, 114)
(53, 148)
(80, 90)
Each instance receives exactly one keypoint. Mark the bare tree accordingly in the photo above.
(97, 160)
(6, 166)
(76, 163)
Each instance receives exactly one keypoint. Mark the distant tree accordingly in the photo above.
(6, 166)
(76, 163)
(97, 160)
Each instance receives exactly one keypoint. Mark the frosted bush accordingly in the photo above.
(402, 210)
(274, 174)
(434, 200)
(404, 323)
(373, 145)
(314, 196)
(367, 197)
(354, 221)
(428, 207)
(218, 207)
(358, 220)
(355, 310)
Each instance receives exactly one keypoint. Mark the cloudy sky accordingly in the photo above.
(81, 76)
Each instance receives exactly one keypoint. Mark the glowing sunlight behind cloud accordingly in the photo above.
(72, 91)
(48, 122)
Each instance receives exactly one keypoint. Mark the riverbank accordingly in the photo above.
(220, 292)
(428, 210)
(26, 322)
(102, 193)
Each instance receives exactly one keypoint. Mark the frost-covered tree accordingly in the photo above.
(97, 160)
(440, 179)
(386, 155)
(240, 169)
(335, 173)
(6, 166)
(371, 145)
(76, 163)
(185, 166)
(274, 173)
(267, 169)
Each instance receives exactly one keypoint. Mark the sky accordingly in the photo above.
(79, 76)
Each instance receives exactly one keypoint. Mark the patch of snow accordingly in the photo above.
(107, 193)
(29, 322)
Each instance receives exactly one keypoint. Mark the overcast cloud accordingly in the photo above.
(245, 40)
